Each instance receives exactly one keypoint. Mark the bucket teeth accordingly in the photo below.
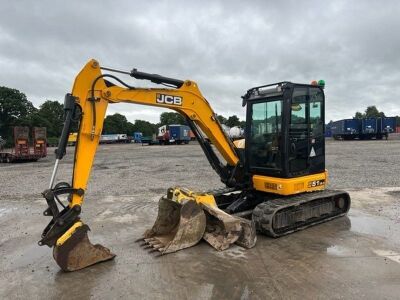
(182, 225)
(177, 226)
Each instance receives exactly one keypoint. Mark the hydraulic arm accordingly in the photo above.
(87, 104)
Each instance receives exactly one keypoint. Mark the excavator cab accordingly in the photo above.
(285, 132)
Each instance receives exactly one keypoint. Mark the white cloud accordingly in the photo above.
(227, 47)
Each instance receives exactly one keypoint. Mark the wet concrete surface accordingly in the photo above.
(357, 256)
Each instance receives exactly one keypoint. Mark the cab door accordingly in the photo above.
(306, 153)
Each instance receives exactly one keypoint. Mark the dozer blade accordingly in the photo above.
(178, 226)
(77, 252)
(223, 229)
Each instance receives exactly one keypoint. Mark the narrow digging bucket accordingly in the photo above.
(178, 226)
(223, 229)
(78, 252)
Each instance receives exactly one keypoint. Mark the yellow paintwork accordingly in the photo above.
(193, 105)
(290, 186)
(181, 194)
(61, 240)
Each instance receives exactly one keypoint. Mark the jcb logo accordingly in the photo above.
(168, 99)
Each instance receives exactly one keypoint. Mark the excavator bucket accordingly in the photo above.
(178, 226)
(77, 252)
(224, 229)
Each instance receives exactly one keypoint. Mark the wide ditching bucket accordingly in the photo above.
(183, 223)
(178, 226)
(77, 252)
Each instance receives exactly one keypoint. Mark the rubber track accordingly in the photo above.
(264, 213)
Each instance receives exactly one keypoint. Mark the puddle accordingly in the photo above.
(395, 193)
(341, 251)
(392, 255)
(4, 211)
(30, 255)
(376, 226)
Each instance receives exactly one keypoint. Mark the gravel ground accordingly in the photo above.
(356, 256)
(132, 168)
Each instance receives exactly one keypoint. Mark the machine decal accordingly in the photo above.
(168, 99)
(312, 152)
(315, 183)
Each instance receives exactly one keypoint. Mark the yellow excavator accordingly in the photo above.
(275, 180)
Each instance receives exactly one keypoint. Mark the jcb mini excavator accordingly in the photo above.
(274, 181)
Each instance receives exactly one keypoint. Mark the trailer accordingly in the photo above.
(22, 151)
(346, 129)
(179, 134)
(115, 138)
(388, 124)
(371, 128)
(149, 140)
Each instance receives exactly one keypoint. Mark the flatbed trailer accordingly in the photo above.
(12, 157)
(22, 152)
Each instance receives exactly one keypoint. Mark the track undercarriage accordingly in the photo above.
(278, 216)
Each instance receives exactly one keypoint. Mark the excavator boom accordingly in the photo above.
(184, 217)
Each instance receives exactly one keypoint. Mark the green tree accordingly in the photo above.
(14, 110)
(233, 121)
(359, 115)
(370, 112)
(50, 115)
(169, 118)
(221, 119)
(144, 127)
(373, 112)
(116, 123)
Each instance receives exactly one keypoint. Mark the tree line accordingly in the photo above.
(373, 112)
(17, 110)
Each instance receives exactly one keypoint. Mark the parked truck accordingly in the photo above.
(24, 149)
(173, 134)
(137, 137)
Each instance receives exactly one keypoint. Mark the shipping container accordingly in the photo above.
(346, 129)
